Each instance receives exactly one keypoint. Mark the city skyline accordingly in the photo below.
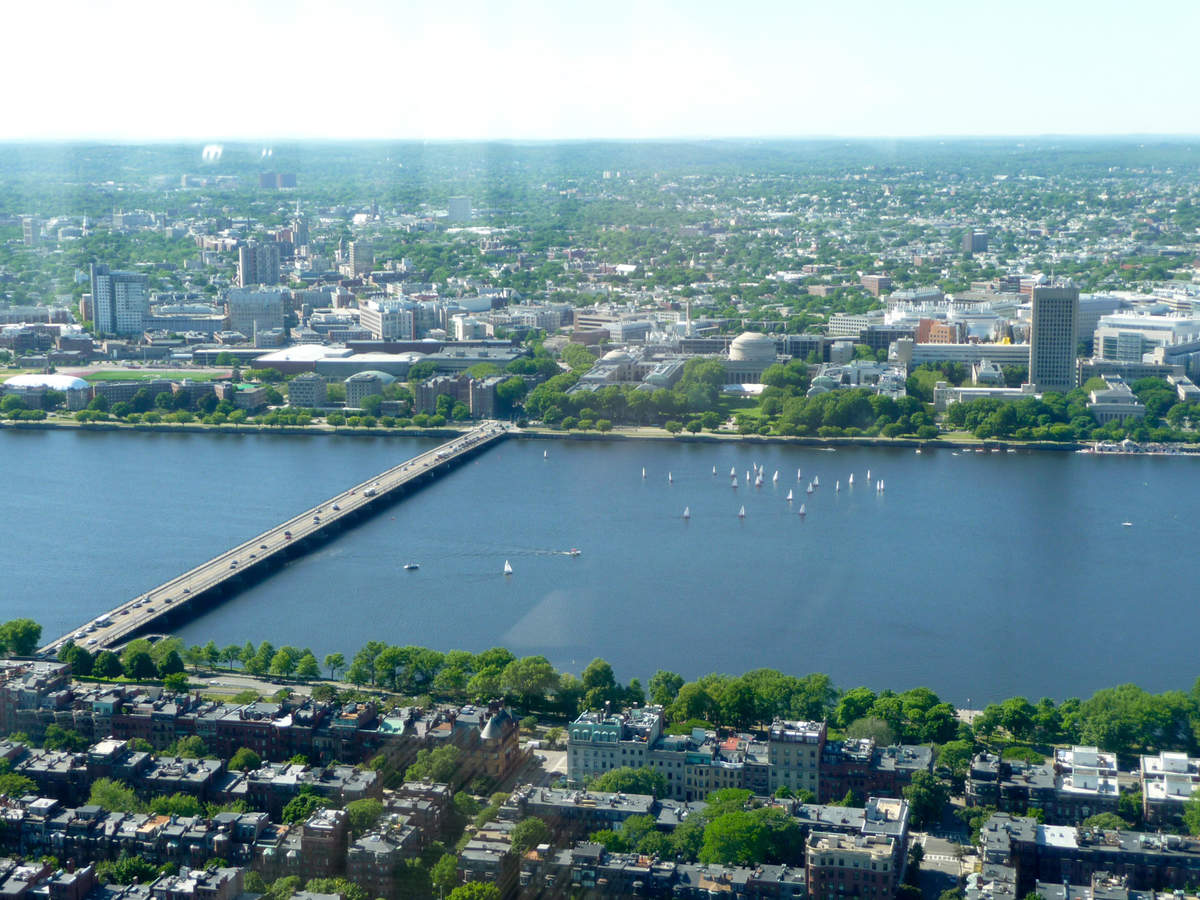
(533, 71)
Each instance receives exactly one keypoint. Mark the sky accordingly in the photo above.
(573, 69)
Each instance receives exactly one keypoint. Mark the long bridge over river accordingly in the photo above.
(188, 595)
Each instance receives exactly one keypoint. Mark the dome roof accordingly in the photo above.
(372, 374)
(752, 346)
(616, 356)
(47, 382)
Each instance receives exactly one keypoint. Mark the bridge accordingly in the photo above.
(190, 594)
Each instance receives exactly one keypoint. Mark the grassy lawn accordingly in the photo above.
(153, 374)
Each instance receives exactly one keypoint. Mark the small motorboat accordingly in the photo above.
(411, 567)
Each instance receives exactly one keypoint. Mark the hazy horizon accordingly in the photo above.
(534, 70)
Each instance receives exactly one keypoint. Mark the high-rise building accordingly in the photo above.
(255, 310)
(258, 264)
(362, 257)
(1054, 335)
(31, 230)
(120, 301)
(975, 241)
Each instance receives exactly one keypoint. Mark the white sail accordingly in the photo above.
(545, 454)
(669, 478)
(643, 471)
(816, 481)
(798, 475)
(837, 486)
(789, 497)
(714, 470)
(732, 472)
(742, 513)
(734, 482)
(810, 487)
(851, 481)
(775, 477)
(802, 511)
(507, 568)
(868, 474)
(687, 512)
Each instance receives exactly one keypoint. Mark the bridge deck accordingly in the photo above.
(174, 599)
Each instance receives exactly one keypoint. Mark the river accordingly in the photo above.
(981, 575)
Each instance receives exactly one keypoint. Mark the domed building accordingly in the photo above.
(32, 389)
(750, 353)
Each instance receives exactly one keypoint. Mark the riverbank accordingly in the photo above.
(951, 441)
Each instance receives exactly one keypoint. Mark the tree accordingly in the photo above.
(139, 665)
(307, 667)
(528, 833)
(475, 890)
(20, 636)
(126, 869)
(335, 662)
(626, 779)
(664, 687)
(1106, 821)
(956, 757)
(363, 814)
(529, 679)
(107, 665)
(301, 807)
(115, 796)
(1191, 813)
(77, 658)
(14, 785)
(444, 873)
(244, 760)
(59, 738)
(283, 662)
(177, 804)
(176, 682)
(734, 838)
(439, 765)
(171, 664)
(927, 798)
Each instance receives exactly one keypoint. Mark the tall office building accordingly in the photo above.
(254, 310)
(1054, 336)
(258, 264)
(120, 301)
(31, 230)
(362, 257)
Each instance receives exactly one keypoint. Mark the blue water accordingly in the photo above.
(979, 575)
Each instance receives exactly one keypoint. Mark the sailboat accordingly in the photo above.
(733, 483)
(643, 471)
(802, 511)
(545, 454)
(732, 472)
(687, 512)
(789, 497)
(837, 486)
(747, 478)
(810, 487)
(798, 475)
(868, 474)
(881, 485)
(742, 513)
(816, 481)
(714, 470)
(669, 478)
(851, 481)
(507, 568)
(775, 477)
(758, 480)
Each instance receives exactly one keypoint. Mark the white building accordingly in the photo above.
(120, 300)
(388, 319)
